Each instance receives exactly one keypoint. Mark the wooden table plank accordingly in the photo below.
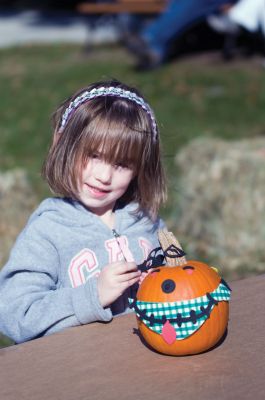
(108, 361)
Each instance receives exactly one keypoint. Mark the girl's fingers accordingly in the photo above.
(126, 284)
(124, 267)
(129, 276)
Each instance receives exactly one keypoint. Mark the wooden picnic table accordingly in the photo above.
(108, 361)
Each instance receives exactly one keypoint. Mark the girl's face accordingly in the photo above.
(102, 184)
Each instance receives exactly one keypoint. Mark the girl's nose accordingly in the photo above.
(103, 172)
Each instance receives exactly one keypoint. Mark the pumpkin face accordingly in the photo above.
(182, 310)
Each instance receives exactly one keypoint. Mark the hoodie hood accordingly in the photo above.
(72, 213)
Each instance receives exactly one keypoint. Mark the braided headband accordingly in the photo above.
(108, 91)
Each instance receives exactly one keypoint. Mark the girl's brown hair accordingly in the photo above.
(122, 132)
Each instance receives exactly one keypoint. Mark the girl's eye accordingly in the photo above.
(121, 165)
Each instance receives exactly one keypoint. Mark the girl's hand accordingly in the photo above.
(114, 279)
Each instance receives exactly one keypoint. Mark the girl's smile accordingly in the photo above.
(96, 192)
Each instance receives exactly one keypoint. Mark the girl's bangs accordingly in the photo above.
(116, 142)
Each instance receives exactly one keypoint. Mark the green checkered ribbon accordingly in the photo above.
(185, 316)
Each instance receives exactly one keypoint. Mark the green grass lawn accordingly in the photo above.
(191, 97)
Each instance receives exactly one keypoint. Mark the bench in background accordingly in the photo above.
(122, 6)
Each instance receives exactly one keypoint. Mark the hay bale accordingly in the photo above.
(221, 200)
(17, 201)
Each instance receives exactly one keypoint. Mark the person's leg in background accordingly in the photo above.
(152, 44)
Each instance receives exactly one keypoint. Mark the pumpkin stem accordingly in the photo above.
(172, 248)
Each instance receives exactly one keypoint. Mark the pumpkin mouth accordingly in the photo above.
(180, 319)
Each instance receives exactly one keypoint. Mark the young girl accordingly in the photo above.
(76, 259)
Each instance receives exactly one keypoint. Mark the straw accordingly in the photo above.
(174, 253)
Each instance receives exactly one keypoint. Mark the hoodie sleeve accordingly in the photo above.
(32, 303)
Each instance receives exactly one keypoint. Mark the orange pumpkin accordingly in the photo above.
(183, 308)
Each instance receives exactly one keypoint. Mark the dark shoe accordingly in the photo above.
(147, 59)
(148, 63)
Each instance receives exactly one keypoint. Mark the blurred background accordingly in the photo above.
(199, 64)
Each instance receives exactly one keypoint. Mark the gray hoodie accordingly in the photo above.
(50, 280)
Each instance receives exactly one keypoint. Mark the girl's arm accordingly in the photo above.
(32, 303)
